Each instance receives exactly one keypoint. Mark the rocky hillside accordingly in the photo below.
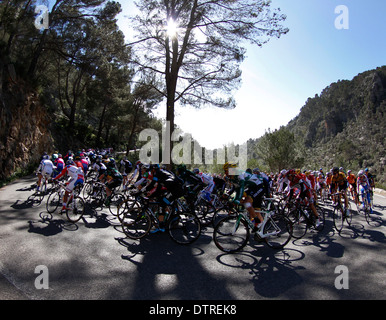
(346, 125)
(24, 123)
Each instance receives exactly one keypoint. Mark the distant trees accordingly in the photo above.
(279, 150)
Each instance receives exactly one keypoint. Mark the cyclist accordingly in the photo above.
(282, 181)
(297, 182)
(99, 166)
(352, 180)
(311, 179)
(188, 176)
(45, 169)
(85, 163)
(59, 164)
(76, 177)
(137, 172)
(127, 168)
(238, 184)
(113, 179)
(256, 187)
(166, 186)
(321, 183)
(208, 181)
(339, 182)
(363, 186)
(321, 171)
(371, 179)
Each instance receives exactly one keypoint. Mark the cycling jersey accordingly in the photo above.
(113, 173)
(46, 167)
(340, 180)
(72, 171)
(85, 165)
(311, 180)
(163, 178)
(351, 178)
(305, 188)
(59, 164)
(363, 185)
(76, 176)
(208, 180)
(256, 187)
(114, 178)
(363, 181)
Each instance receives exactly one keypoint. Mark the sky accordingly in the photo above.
(279, 77)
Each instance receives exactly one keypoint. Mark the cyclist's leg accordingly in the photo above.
(257, 204)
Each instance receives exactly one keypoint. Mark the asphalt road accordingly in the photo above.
(93, 260)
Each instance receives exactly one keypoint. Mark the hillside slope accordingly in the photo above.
(346, 125)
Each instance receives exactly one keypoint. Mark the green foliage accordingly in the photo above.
(279, 150)
(80, 68)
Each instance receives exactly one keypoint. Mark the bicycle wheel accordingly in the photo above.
(136, 223)
(204, 211)
(322, 218)
(184, 228)
(221, 214)
(124, 206)
(88, 190)
(115, 201)
(348, 215)
(338, 218)
(76, 210)
(231, 234)
(299, 223)
(279, 229)
(366, 211)
(53, 201)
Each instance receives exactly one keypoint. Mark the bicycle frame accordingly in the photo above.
(267, 215)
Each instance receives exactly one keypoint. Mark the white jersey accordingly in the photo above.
(205, 178)
(46, 166)
(75, 172)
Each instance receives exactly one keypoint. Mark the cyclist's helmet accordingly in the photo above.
(70, 161)
(360, 173)
(367, 170)
(196, 171)
(348, 171)
(256, 171)
(335, 170)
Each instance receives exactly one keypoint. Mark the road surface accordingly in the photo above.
(46, 257)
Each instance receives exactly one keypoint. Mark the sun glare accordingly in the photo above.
(171, 28)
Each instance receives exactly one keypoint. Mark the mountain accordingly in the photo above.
(345, 125)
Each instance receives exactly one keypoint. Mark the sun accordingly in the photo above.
(171, 28)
